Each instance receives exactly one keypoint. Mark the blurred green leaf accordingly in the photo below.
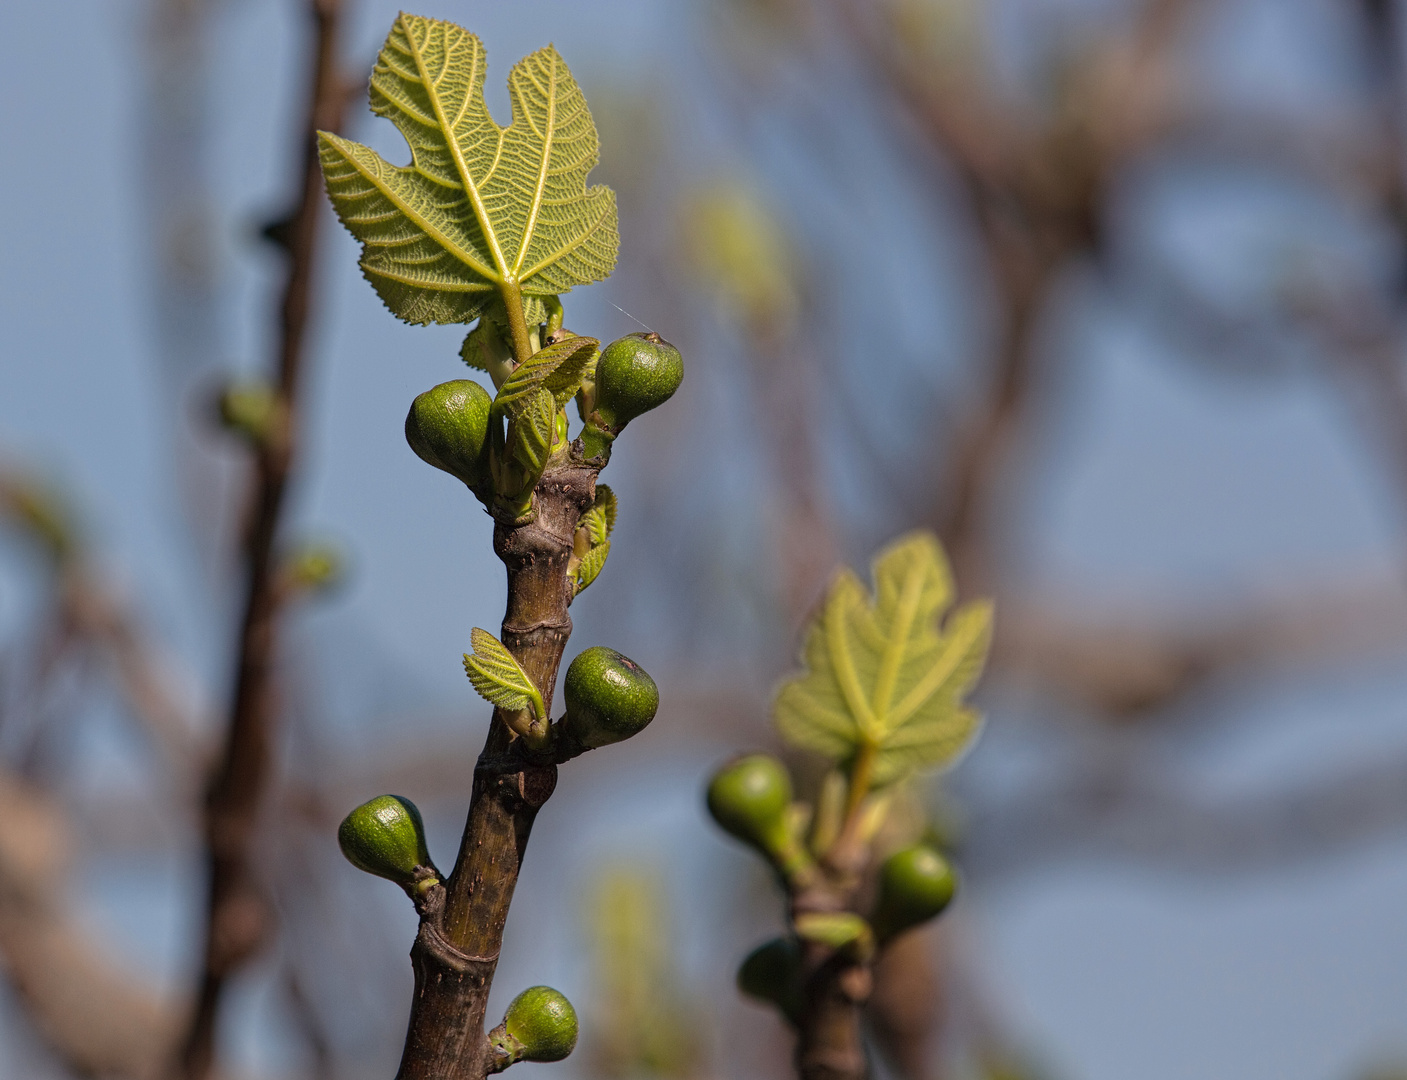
(742, 254)
(882, 677)
(480, 206)
(642, 1024)
(38, 510)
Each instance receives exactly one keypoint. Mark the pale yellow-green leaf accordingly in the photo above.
(497, 676)
(481, 208)
(591, 565)
(600, 520)
(882, 674)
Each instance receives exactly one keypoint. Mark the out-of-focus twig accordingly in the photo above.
(97, 1018)
(238, 913)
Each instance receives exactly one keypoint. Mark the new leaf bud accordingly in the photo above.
(543, 1024)
(772, 973)
(386, 837)
(915, 884)
(749, 798)
(638, 373)
(447, 426)
(251, 409)
(609, 698)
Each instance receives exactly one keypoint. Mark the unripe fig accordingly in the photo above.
(447, 426)
(386, 837)
(749, 799)
(638, 373)
(915, 884)
(772, 973)
(609, 698)
(542, 1024)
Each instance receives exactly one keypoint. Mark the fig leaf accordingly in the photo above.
(481, 211)
(498, 678)
(882, 677)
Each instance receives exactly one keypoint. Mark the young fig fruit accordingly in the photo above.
(915, 884)
(609, 698)
(749, 799)
(772, 973)
(540, 1025)
(386, 837)
(635, 374)
(446, 427)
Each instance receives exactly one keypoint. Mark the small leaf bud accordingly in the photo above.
(915, 884)
(749, 799)
(540, 1025)
(386, 837)
(315, 568)
(609, 698)
(251, 409)
(447, 426)
(772, 973)
(635, 374)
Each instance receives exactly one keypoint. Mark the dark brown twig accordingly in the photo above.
(237, 913)
(461, 929)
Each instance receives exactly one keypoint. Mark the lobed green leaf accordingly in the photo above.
(881, 674)
(480, 208)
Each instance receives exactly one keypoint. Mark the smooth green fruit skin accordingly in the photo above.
(772, 973)
(446, 427)
(638, 373)
(544, 1021)
(749, 799)
(385, 837)
(609, 697)
(915, 884)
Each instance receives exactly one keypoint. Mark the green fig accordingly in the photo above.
(749, 798)
(772, 973)
(540, 1025)
(638, 373)
(609, 698)
(915, 884)
(386, 837)
(447, 427)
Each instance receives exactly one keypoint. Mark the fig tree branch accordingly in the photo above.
(237, 912)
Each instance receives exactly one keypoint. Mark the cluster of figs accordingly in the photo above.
(608, 696)
(448, 426)
(751, 799)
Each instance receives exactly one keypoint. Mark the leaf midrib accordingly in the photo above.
(461, 166)
(896, 643)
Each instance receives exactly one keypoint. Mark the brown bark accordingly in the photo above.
(829, 1040)
(238, 916)
(461, 926)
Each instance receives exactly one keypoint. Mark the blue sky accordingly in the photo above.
(1154, 479)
